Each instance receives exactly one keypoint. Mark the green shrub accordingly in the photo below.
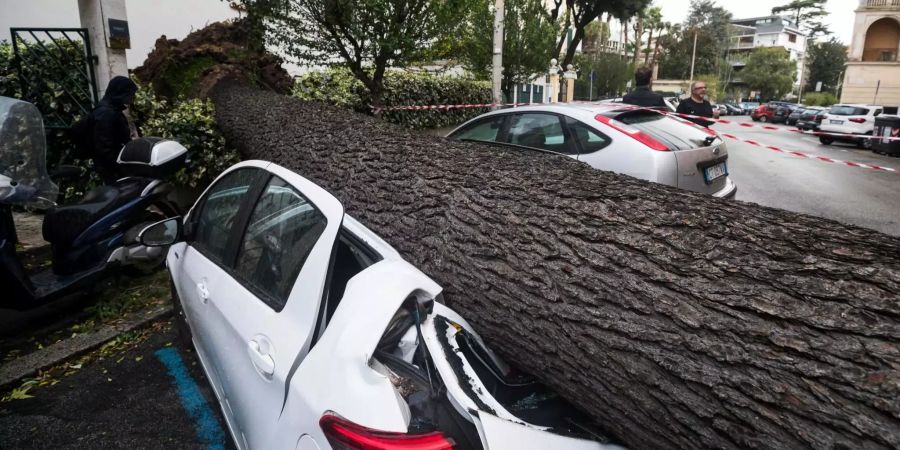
(193, 124)
(338, 87)
(819, 99)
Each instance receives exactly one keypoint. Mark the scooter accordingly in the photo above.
(89, 238)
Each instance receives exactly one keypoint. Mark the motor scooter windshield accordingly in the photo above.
(23, 161)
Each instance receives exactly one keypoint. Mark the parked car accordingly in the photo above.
(749, 107)
(314, 333)
(794, 115)
(810, 118)
(782, 113)
(610, 136)
(721, 109)
(763, 113)
(858, 120)
(733, 109)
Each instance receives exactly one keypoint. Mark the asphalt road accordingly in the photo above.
(865, 197)
(152, 396)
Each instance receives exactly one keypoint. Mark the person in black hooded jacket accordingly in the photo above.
(109, 127)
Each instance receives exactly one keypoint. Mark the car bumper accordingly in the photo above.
(729, 191)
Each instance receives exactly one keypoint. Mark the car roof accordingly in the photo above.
(858, 105)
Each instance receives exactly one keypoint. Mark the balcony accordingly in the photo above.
(879, 3)
(880, 54)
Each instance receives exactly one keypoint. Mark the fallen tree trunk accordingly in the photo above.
(675, 319)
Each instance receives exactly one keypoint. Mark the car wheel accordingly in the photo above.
(763, 119)
(865, 144)
(826, 140)
(755, 119)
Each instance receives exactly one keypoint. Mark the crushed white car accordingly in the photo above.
(315, 333)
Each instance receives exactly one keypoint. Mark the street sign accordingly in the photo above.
(818, 86)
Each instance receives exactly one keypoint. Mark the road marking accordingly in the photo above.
(205, 424)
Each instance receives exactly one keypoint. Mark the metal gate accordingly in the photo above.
(55, 68)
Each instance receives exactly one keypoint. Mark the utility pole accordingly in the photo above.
(693, 57)
(497, 60)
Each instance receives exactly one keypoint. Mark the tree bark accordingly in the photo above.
(675, 319)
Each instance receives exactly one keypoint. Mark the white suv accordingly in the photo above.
(850, 119)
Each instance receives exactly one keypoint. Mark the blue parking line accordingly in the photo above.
(207, 427)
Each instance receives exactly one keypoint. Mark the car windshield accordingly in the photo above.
(843, 110)
(675, 134)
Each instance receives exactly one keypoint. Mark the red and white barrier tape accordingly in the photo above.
(719, 121)
(377, 110)
(893, 137)
(807, 155)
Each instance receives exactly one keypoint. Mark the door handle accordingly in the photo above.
(261, 358)
(203, 292)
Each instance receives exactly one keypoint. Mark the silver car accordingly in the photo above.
(620, 138)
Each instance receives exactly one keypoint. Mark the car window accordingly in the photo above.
(842, 110)
(217, 216)
(484, 130)
(877, 112)
(539, 130)
(281, 232)
(675, 134)
(590, 139)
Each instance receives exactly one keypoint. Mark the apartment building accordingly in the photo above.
(766, 31)
(873, 72)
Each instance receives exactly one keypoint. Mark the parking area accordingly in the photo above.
(150, 395)
(853, 195)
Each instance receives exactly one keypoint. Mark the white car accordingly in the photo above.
(314, 332)
(620, 138)
(850, 119)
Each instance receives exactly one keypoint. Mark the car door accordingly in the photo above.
(212, 225)
(266, 305)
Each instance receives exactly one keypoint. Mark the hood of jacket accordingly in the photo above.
(119, 89)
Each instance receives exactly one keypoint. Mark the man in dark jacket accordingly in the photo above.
(109, 127)
(642, 95)
(697, 105)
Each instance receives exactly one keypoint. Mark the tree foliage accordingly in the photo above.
(825, 61)
(807, 14)
(611, 74)
(580, 13)
(770, 71)
(529, 36)
(712, 25)
(367, 36)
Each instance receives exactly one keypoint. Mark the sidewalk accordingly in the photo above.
(31, 242)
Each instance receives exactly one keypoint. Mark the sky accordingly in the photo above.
(839, 20)
(148, 19)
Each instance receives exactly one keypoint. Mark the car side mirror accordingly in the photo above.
(162, 233)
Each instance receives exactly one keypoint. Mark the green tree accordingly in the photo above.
(580, 13)
(712, 25)
(807, 14)
(529, 36)
(825, 61)
(366, 36)
(770, 71)
(611, 73)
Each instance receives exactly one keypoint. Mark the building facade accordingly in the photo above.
(872, 75)
(766, 31)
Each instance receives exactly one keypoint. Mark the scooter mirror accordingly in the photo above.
(162, 233)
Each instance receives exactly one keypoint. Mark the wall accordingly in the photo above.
(861, 79)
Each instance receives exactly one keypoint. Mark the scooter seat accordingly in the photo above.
(63, 224)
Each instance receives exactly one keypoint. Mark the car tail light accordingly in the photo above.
(343, 434)
(638, 135)
(857, 120)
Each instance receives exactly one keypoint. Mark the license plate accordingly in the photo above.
(836, 122)
(711, 173)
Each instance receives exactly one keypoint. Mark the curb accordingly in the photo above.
(28, 365)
